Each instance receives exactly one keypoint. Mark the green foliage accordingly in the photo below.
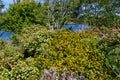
(25, 71)
(15, 62)
(23, 13)
(103, 12)
(58, 12)
(8, 50)
(111, 46)
(76, 52)
(35, 48)
(110, 21)
(12, 65)
(20, 69)
(33, 40)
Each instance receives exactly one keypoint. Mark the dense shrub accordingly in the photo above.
(39, 49)
(15, 60)
(19, 70)
(8, 56)
(8, 50)
(13, 66)
(33, 40)
(76, 52)
(110, 44)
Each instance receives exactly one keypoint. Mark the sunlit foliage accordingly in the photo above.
(23, 13)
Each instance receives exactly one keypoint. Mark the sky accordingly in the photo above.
(8, 2)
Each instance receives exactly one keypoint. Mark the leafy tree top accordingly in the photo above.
(21, 14)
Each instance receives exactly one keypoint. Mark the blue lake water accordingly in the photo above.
(6, 35)
(76, 27)
(73, 27)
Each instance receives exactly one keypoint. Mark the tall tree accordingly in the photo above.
(58, 12)
(24, 13)
(99, 12)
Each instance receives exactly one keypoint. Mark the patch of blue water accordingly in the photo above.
(76, 27)
(6, 35)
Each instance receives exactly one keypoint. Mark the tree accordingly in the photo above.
(58, 12)
(98, 12)
(1, 6)
(21, 14)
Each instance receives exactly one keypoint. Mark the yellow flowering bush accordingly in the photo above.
(74, 51)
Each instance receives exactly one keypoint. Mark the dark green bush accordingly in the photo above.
(110, 44)
(24, 13)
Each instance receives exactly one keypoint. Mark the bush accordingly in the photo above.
(8, 50)
(13, 66)
(19, 70)
(33, 40)
(76, 52)
(110, 44)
